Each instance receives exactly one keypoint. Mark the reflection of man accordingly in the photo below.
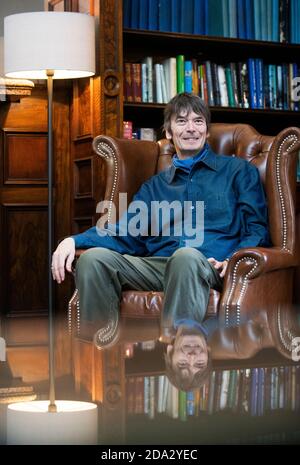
(187, 356)
(234, 217)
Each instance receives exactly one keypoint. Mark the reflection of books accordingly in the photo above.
(12, 390)
(17, 398)
(16, 394)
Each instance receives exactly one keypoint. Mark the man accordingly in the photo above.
(183, 267)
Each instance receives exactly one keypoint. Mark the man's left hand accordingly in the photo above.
(220, 266)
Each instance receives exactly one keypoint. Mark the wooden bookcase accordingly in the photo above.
(139, 43)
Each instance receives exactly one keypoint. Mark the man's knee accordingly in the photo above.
(94, 257)
(188, 259)
(187, 255)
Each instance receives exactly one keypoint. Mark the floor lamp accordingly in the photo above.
(50, 45)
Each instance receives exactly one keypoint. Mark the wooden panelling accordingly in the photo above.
(25, 157)
(30, 363)
(83, 108)
(82, 224)
(25, 330)
(111, 65)
(25, 258)
(83, 177)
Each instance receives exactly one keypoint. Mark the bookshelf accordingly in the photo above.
(140, 43)
(258, 404)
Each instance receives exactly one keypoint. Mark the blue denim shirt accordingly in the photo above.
(235, 212)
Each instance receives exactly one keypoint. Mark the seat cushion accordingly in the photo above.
(137, 304)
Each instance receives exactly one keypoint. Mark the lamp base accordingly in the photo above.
(31, 423)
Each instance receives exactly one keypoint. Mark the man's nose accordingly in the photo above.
(190, 125)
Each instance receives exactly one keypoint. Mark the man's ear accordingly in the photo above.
(207, 135)
(168, 135)
(169, 349)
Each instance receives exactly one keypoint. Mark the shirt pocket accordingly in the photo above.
(219, 210)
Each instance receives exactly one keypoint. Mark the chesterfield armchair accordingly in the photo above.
(256, 278)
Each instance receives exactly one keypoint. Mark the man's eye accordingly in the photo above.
(180, 121)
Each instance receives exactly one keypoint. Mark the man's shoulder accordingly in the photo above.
(234, 162)
(158, 177)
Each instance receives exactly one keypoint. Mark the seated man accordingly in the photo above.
(184, 256)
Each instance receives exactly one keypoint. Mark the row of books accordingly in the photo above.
(129, 132)
(252, 391)
(269, 20)
(251, 84)
(16, 394)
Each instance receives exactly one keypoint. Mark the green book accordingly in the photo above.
(180, 73)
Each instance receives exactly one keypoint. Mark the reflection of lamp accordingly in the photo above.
(49, 45)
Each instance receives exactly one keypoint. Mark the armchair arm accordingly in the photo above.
(255, 277)
(257, 260)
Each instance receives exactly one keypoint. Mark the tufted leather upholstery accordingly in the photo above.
(256, 278)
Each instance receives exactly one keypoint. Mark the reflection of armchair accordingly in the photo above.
(256, 277)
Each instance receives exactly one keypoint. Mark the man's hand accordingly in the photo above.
(63, 258)
(220, 266)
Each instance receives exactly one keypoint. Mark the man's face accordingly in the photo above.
(189, 134)
(190, 354)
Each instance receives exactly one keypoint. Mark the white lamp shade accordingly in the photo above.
(40, 41)
(31, 423)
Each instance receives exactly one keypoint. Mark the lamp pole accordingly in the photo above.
(52, 406)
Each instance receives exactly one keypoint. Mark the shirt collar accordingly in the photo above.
(209, 159)
(189, 323)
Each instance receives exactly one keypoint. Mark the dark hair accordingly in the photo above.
(192, 382)
(185, 102)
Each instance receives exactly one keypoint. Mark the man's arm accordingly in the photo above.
(252, 208)
(94, 237)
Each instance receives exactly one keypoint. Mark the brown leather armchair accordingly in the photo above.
(256, 278)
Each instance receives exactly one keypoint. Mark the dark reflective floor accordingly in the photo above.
(251, 395)
(251, 404)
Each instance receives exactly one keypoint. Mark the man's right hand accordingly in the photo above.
(62, 259)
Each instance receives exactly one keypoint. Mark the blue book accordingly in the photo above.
(263, 18)
(275, 20)
(199, 17)
(259, 82)
(143, 19)
(295, 74)
(257, 20)
(215, 21)
(225, 15)
(187, 16)
(127, 14)
(188, 79)
(175, 15)
(248, 5)
(241, 19)
(252, 82)
(269, 20)
(206, 20)
(153, 15)
(232, 6)
(260, 391)
(135, 14)
(164, 15)
(253, 391)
